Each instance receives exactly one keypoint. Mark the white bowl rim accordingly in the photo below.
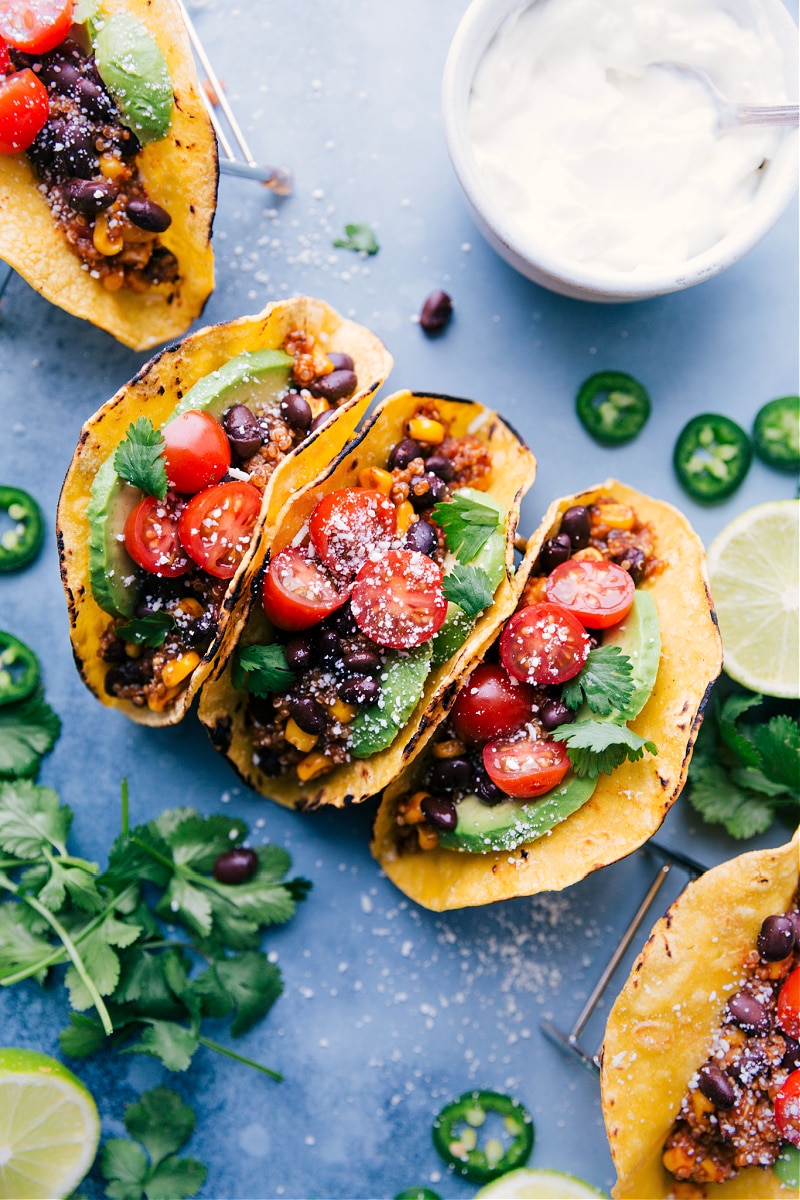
(476, 29)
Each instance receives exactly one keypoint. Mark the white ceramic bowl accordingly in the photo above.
(530, 255)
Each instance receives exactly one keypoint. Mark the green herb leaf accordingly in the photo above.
(150, 630)
(605, 682)
(741, 745)
(358, 237)
(469, 588)
(261, 670)
(78, 882)
(161, 1122)
(28, 730)
(140, 458)
(124, 1165)
(249, 981)
(82, 1037)
(21, 945)
(601, 746)
(174, 1044)
(720, 802)
(175, 1178)
(197, 841)
(467, 525)
(779, 745)
(32, 819)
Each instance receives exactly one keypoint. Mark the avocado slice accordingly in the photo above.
(113, 576)
(638, 636)
(402, 684)
(255, 378)
(136, 74)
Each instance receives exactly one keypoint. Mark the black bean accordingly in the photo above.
(341, 361)
(321, 419)
(61, 77)
(422, 537)
(309, 714)
(362, 662)
(746, 1012)
(128, 144)
(89, 196)
(360, 689)
(42, 150)
(436, 312)
(575, 523)
(197, 634)
(243, 430)
(556, 550)
(114, 651)
(776, 938)
(93, 100)
(441, 812)
(441, 465)
(716, 1086)
(342, 621)
(148, 215)
(449, 774)
(634, 561)
(129, 673)
(329, 644)
(335, 386)
(236, 865)
(268, 760)
(402, 454)
(425, 491)
(486, 789)
(791, 1055)
(296, 411)
(77, 154)
(262, 710)
(553, 713)
(299, 651)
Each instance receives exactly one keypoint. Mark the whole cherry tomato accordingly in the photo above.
(544, 644)
(598, 593)
(789, 1005)
(24, 108)
(787, 1109)
(35, 26)
(197, 452)
(490, 704)
(152, 538)
(398, 601)
(297, 591)
(350, 526)
(525, 767)
(217, 525)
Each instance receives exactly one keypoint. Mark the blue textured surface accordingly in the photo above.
(388, 1010)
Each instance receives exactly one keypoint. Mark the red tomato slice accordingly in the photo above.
(352, 525)
(197, 452)
(398, 601)
(789, 1005)
(525, 767)
(297, 591)
(598, 593)
(544, 644)
(151, 536)
(24, 108)
(35, 26)
(5, 61)
(217, 524)
(490, 704)
(787, 1109)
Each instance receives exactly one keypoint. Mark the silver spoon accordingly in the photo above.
(730, 115)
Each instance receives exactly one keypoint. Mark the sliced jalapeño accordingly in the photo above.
(711, 457)
(612, 406)
(508, 1144)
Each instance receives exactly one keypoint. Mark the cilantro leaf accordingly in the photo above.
(175, 1178)
(184, 902)
(139, 856)
(21, 946)
(197, 841)
(149, 630)
(734, 738)
(82, 1037)
(174, 1044)
(469, 588)
(779, 744)
(77, 881)
(139, 458)
(601, 746)
(605, 682)
(124, 1166)
(358, 237)
(467, 525)
(28, 730)
(161, 1122)
(720, 802)
(32, 819)
(261, 670)
(248, 983)
(102, 963)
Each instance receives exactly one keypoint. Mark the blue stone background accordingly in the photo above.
(388, 1010)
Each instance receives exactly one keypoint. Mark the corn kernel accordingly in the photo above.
(449, 749)
(317, 404)
(134, 650)
(157, 703)
(614, 516)
(405, 517)
(298, 737)
(112, 167)
(701, 1104)
(410, 812)
(312, 765)
(187, 606)
(178, 669)
(428, 838)
(113, 281)
(588, 554)
(775, 969)
(342, 712)
(676, 1159)
(105, 239)
(376, 478)
(425, 429)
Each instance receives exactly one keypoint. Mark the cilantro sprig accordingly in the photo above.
(159, 1125)
(149, 630)
(745, 773)
(467, 524)
(605, 682)
(599, 747)
(140, 458)
(28, 730)
(359, 237)
(261, 670)
(469, 588)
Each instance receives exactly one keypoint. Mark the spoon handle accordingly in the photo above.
(775, 114)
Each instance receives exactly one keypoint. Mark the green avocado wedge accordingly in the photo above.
(638, 636)
(254, 379)
(402, 684)
(135, 71)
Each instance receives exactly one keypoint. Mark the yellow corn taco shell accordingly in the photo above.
(626, 807)
(154, 393)
(180, 173)
(223, 709)
(662, 1023)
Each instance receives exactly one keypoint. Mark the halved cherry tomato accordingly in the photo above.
(196, 450)
(398, 601)
(525, 767)
(217, 524)
(152, 539)
(544, 644)
(598, 593)
(490, 704)
(787, 1109)
(35, 26)
(24, 108)
(5, 61)
(789, 1005)
(297, 591)
(349, 526)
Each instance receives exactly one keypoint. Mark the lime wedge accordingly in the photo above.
(530, 1184)
(755, 579)
(49, 1127)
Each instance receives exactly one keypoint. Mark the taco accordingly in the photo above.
(108, 182)
(513, 795)
(383, 577)
(701, 1062)
(168, 505)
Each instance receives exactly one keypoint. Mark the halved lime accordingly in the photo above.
(529, 1184)
(754, 571)
(49, 1127)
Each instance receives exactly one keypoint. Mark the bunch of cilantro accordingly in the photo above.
(745, 773)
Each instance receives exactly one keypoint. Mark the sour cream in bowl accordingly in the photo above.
(602, 174)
